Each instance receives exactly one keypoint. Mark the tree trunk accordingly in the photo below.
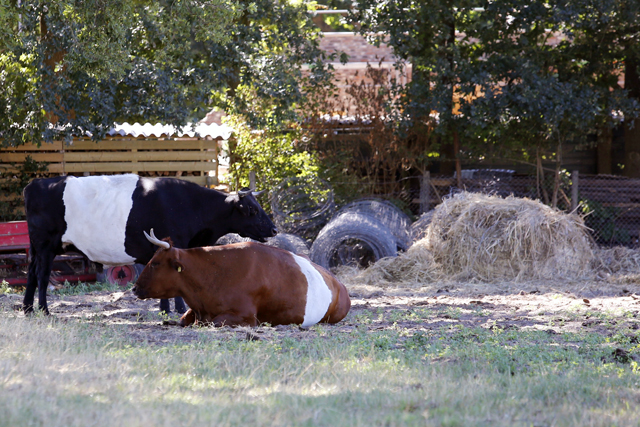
(556, 178)
(605, 140)
(632, 135)
(456, 152)
(540, 178)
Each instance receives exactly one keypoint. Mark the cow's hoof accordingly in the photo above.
(29, 311)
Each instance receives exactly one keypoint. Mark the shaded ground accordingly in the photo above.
(612, 308)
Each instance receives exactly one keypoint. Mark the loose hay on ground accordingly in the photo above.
(477, 237)
(618, 264)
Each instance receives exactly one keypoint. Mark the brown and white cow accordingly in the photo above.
(243, 284)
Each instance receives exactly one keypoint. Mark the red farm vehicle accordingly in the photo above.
(71, 267)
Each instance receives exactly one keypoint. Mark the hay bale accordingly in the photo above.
(475, 236)
(414, 268)
(490, 238)
(420, 226)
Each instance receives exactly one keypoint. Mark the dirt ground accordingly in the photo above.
(555, 308)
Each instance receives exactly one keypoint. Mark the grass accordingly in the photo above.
(76, 374)
(69, 289)
(81, 288)
(86, 372)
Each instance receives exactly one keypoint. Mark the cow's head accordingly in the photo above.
(248, 219)
(161, 277)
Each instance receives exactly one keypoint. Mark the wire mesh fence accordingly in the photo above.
(609, 204)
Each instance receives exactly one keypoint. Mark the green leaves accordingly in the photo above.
(548, 68)
(273, 155)
(78, 67)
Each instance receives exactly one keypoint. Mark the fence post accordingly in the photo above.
(252, 180)
(425, 192)
(575, 179)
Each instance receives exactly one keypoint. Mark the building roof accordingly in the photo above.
(201, 130)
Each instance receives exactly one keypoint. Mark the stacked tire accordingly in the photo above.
(362, 233)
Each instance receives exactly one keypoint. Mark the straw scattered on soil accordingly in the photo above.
(503, 244)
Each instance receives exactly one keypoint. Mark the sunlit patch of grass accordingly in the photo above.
(63, 373)
(452, 313)
(6, 289)
(81, 288)
(411, 315)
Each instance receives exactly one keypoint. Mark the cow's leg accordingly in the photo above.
(188, 319)
(164, 306)
(43, 270)
(235, 319)
(32, 284)
(38, 277)
(180, 305)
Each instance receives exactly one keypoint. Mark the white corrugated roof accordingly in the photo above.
(202, 130)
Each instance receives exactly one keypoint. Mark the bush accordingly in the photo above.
(272, 154)
(11, 186)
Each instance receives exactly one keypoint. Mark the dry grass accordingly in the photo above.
(501, 243)
(437, 363)
(618, 260)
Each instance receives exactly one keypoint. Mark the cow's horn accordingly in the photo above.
(153, 239)
(243, 193)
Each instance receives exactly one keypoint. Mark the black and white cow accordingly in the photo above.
(104, 218)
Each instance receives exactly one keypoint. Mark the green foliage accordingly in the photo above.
(513, 86)
(85, 65)
(11, 186)
(5, 288)
(373, 149)
(273, 155)
(602, 220)
(540, 73)
(265, 82)
(82, 288)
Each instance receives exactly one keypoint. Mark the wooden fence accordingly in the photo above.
(189, 158)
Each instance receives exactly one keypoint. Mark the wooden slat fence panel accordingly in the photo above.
(181, 157)
(190, 159)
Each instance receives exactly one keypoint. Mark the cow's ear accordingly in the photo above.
(177, 266)
(243, 207)
(237, 203)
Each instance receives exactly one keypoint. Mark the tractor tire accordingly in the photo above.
(353, 238)
(120, 275)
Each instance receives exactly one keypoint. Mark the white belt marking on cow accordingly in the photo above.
(318, 293)
(96, 212)
(148, 185)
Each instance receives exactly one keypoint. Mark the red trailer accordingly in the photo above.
(14, 259)
(72, 267)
